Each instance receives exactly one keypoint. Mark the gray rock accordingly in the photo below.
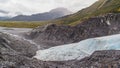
(16, 44)
(18, 53)
(52, 35)
(101, 59)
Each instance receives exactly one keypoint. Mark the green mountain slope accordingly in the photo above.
(98, 8)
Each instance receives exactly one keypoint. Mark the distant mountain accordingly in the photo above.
(100, 7)
(3, 13)
(53, 14)
(4, 18)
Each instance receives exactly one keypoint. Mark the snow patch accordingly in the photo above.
(108, 22)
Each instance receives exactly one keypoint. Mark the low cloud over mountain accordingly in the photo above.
(55, 13)
(28, 7)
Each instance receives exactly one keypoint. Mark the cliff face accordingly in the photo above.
(52, 35)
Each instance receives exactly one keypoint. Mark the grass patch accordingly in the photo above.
(21, 24)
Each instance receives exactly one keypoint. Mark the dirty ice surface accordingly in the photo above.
(77, 51)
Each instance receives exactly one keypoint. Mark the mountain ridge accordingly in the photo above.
(100, 7)
(53, 14)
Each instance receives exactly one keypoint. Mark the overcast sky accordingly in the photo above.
(28, 7)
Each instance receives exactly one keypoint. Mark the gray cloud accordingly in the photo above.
(3, 1)
(4, 12)
(14, 7)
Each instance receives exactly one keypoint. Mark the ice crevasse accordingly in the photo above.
(77, 51)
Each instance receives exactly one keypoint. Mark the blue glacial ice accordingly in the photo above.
(79, 50)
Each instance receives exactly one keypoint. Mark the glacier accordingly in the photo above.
(77, 51)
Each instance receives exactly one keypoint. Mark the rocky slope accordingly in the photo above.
(99, 59)
(52, 35)
(17, 44)
(17, 53)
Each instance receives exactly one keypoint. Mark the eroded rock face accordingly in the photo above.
(17, 53)
(11, 57)
(52, 35)
(17, 44)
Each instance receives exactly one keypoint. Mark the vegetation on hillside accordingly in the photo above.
(100, 7)
(21, 24)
